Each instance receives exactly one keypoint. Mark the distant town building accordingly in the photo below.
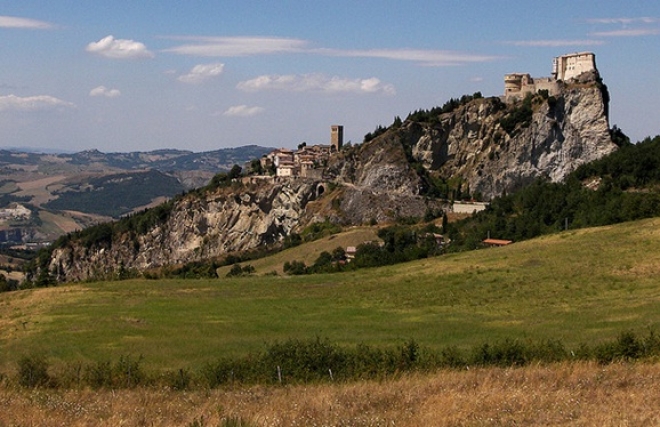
(496, 242)
(307, 161)
(468, 207)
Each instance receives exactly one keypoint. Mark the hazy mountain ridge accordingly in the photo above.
(165, 160)
(73, 186)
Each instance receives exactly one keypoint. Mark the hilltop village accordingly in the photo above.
(306, 161)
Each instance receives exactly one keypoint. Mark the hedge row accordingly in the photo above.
(317, 360)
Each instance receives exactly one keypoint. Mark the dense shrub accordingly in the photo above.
(33, 371)
(238, 270)
(297, 361)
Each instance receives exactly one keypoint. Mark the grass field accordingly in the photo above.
(579, 286)
(574, 394)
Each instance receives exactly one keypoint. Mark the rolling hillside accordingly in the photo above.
(580, 286)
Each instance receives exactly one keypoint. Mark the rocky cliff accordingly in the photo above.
(491, 146)
(496, 147)
(198, 226)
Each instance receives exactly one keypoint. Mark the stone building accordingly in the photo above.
(307, 161)
(565, 67)
(336, 137)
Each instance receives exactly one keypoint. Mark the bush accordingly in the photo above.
(237, 270)
(627, 347)
(178, 380)
(33, 371)
(126, 373)
(295, 267)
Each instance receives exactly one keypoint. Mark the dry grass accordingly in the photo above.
(309, 252)
(567, 394)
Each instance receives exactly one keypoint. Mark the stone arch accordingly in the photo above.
(320, 189)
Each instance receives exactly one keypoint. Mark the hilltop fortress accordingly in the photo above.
(566, 67)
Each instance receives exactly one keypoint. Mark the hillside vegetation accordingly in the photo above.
(578, 287)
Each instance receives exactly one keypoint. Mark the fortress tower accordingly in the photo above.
(336, 137)
(570, 66)
(565, 67)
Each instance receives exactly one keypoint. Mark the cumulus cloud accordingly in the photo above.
(242, 111)
(555, 43)
(236, 46)
(32, 103)
(202, 72)
(315, 83)
(110, 47)
(24, 23)
(104, 91)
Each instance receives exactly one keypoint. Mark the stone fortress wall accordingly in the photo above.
(565, 67)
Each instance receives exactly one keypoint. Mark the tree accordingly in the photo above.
(256, 168)
(235, 172)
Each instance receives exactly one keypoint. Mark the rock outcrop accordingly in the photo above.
(561, 133)
(198, 227)
(492, 146)
(378, 182)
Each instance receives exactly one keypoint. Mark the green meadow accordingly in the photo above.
(582, 286)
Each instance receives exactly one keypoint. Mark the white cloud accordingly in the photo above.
(555, 43)
(104, 91)
(433, 58)
(202, 72)
(316, 83)
(236, 46)
(242, 111)
(245, 46)
(629, 32)
(24, 23)
(32, 103)
(624, 21)
(119, 48)
(644, 27)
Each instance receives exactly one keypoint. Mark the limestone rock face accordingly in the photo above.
(380, 180)
(197, 228)
(377, 182)
(563, 133)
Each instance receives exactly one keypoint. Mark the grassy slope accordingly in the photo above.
(309, 252)
(578, 286)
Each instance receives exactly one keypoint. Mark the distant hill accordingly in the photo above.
(115, 195)
(68, 191)
(166, 161)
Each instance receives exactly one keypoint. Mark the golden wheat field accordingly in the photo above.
(576, 394)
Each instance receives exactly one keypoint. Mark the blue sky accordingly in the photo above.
(201, 75)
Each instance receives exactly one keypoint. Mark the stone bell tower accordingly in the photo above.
(336, 137)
